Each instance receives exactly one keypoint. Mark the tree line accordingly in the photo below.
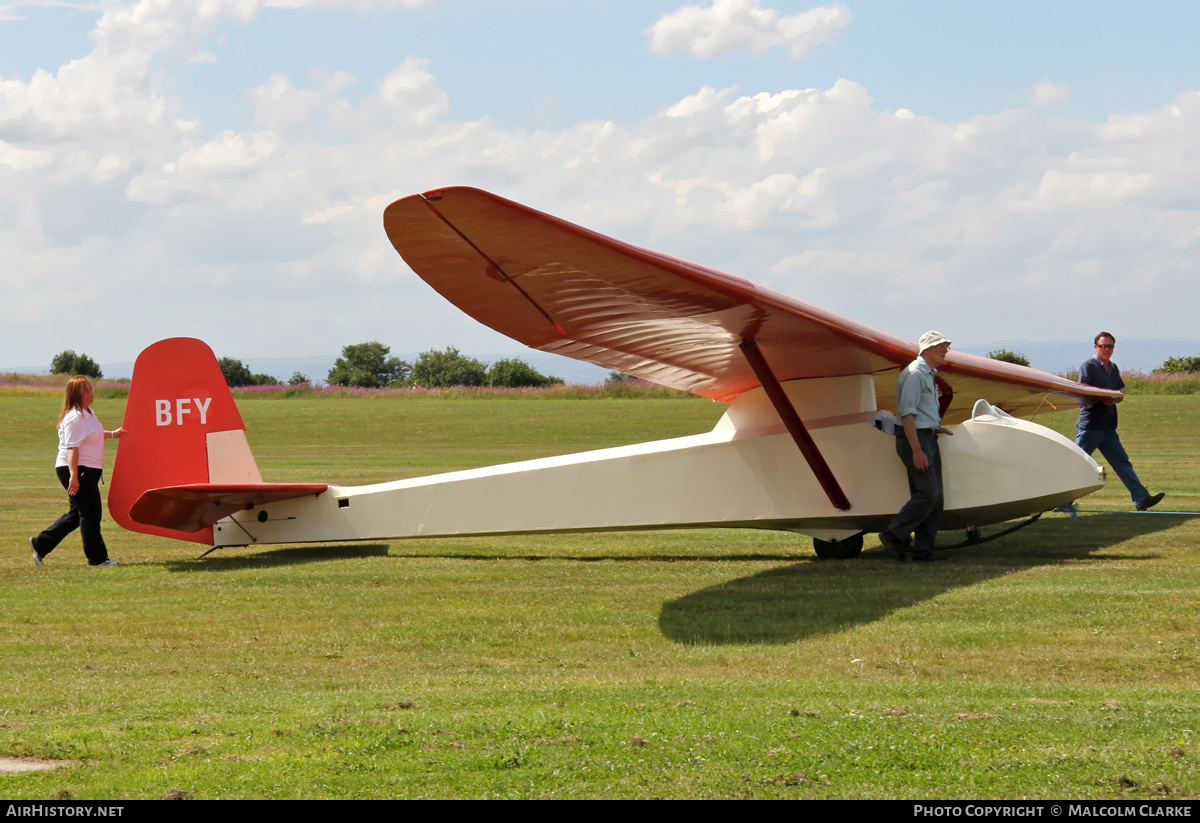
(367, 365)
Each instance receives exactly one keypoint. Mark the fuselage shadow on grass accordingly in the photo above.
(314, 553)
(606, 558)
(317, 552)
(808, 600)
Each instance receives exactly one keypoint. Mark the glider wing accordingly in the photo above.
(561, 288)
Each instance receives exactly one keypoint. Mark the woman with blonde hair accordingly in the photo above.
(80, 465)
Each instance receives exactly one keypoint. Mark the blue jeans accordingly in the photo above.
(1109, 444)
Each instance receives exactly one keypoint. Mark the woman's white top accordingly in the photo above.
(81, 430)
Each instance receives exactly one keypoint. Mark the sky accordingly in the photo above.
(219, 168)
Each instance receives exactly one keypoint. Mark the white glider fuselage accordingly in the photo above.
(746, 473)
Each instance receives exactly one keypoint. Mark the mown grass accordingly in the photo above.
(1058, 662)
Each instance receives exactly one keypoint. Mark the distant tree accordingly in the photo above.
(447, 368)
(1009, 357)
(63, 362)
(516, 373)
(87, 366)
(367, 365)
(298, 379)
(619, 377)
(238, 373)
(1180, 365)
(68, 362)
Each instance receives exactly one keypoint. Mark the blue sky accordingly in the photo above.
(999, 171)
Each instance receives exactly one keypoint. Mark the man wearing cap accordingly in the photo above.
(916, 443)
(1097, 425)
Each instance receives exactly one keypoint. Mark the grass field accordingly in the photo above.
(1059, 662)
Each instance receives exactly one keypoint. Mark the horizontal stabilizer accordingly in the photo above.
(194, 506)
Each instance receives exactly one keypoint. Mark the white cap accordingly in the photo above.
(930, 339)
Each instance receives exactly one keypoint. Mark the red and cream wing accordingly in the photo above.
(561, 288)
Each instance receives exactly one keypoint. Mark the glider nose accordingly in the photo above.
(1012, 468)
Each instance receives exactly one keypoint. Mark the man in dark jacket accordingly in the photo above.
(1097, 426)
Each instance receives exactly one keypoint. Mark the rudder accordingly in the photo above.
(181, 427)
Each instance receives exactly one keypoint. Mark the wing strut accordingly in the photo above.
(795, 426)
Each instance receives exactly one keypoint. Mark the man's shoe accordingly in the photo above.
(928, 557)
(37, 558)
(891, 545)
(1151, 501)
(106, 563)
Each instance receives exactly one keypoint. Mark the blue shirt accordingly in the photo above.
(1099, 417)
(916, 394)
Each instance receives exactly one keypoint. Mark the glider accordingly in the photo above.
(796, 449)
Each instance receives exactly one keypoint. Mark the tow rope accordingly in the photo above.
(1074, 510)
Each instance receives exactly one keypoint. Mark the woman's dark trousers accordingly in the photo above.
(84, 514)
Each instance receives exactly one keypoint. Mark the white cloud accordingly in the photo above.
(331, 213)
(109, 167)
(743, 25)
(701, 101)
(412, 93)
(113, 87)
(23, 159)
(229, 152)
(1046, 93)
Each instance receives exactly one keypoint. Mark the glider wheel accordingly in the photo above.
(845, 549)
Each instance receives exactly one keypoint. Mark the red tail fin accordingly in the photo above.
(181, 427)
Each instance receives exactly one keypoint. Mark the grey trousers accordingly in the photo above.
(922, 514)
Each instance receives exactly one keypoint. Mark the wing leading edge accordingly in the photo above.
(561, 288)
